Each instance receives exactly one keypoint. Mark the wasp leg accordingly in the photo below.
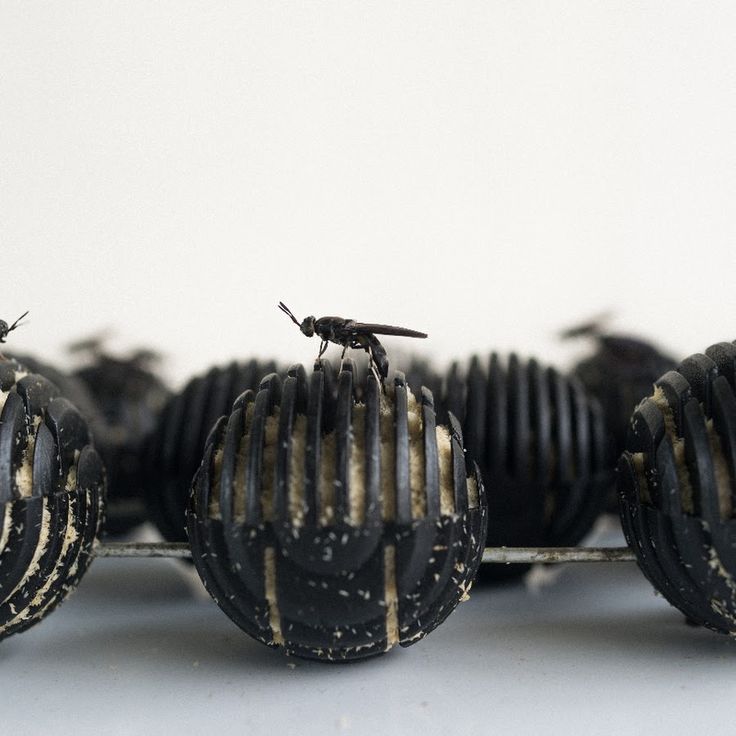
(379, 359)
(377, 377)
(322, 347)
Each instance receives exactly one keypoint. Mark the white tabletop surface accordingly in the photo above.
(138, 649)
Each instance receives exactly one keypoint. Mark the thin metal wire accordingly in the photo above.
(143, 549)
(507, 555)
(510, 555)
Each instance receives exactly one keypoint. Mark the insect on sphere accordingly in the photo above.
(5, 330)
(351, 334)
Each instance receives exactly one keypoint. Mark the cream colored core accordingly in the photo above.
(447, 493)
(473, 499)
(416, 458)
(24, 474)
(215, 510)
(391, 596)
(297, 491)
(268, 464)
(357, 468)
(678, 448)
(720, 466)
(639, 467)
(269, 576)
(5, 531)
(71, 476)
(240, 464)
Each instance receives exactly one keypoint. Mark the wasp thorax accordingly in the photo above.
(333, 519)
(677, 485)
(51, 494)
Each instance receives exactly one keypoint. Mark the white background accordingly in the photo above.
(489, 172)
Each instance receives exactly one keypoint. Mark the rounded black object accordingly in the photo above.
(52, 486)
(334, 520)
(540, 443)
(677, 487)
(69, 386)
(129, 397)
(619, 374)
(120, 398)
(175, 449)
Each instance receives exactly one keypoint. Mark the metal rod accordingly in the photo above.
(557, 554)
(507, 555)
(143, 549)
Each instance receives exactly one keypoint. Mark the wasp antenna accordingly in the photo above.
(288, 313)
(17, 322)
(593, 328)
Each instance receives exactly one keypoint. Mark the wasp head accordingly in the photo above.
(307, 326)
(5, 330)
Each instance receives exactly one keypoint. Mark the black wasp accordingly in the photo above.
(351, 334)
(5, 330)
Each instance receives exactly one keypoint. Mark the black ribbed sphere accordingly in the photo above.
(333, 520)
(52, 485)
(175, 448)
(677, 486)
(539, 440)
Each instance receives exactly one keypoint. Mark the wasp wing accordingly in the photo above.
(363, 327)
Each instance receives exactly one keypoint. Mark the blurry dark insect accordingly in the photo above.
(620, 373)
(92, 344)
(128, 395)
(351, 334)
(5, 330)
